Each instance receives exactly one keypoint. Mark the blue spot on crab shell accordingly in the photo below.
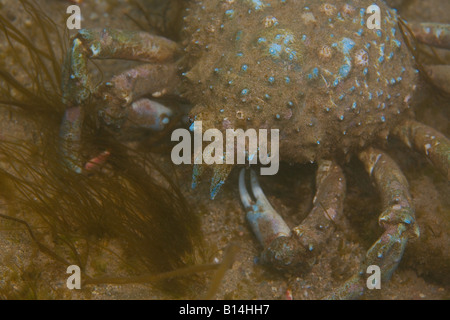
(346, 45)
(230, 13)
(314, 74)
(288, 39)
(345, 70)
(275, 49)
(258, 4)
(260, 40)
(382, 47)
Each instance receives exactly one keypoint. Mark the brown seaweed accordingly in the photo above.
(132, 200)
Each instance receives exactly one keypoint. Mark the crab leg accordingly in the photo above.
(328, 205)
(433, 34)
(283, 248)
(440, 75)
(436, 35)
(397, 220)
(111, 44)
(433, 143)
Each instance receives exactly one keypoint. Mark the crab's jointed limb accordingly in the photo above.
(431, 142)
(155, 79)
(265, 222)
(397, 220)
(435, 35)
(297, 249)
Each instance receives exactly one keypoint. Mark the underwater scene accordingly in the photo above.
(224, 149)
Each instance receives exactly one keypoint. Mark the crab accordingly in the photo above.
(311, 69)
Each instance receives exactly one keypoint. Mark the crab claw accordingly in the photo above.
(281, 250)
(265, 222)
(296, 249)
